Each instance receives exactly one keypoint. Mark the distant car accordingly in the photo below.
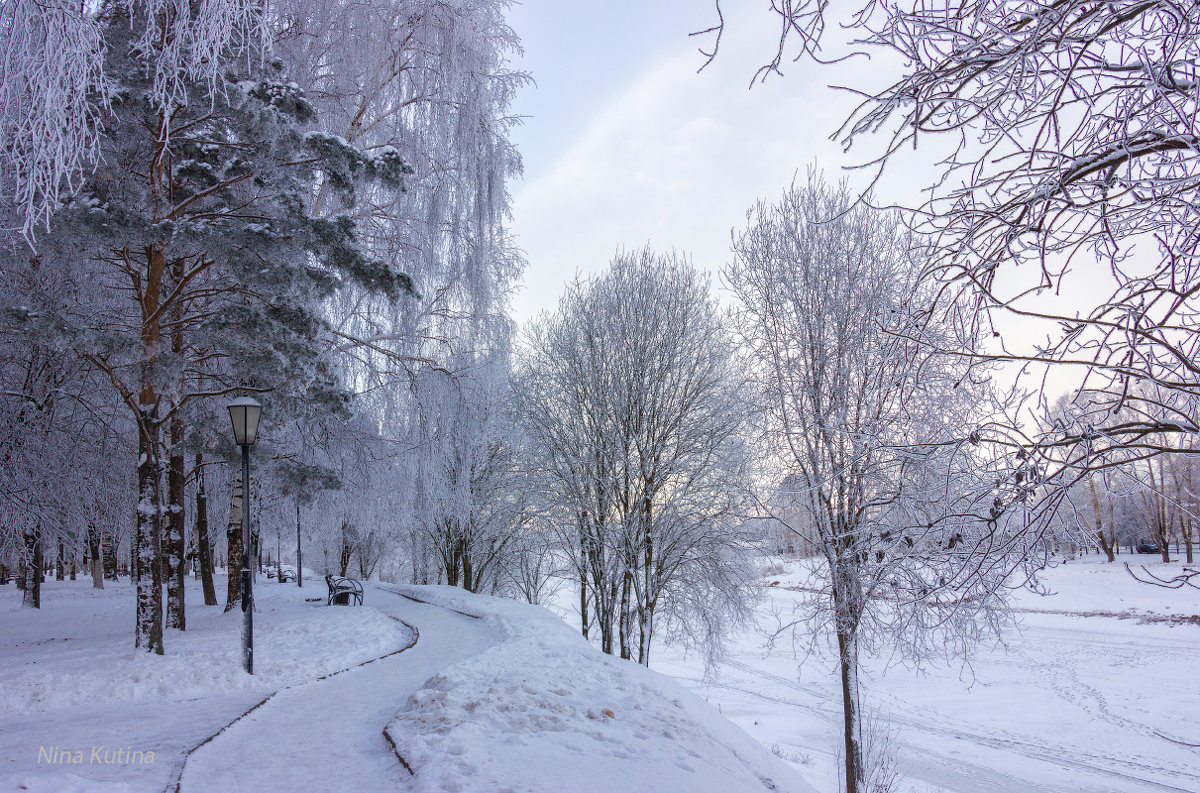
(1147, 547)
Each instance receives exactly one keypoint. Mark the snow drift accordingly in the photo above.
(544, 711)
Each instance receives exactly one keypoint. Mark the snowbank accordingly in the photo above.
(544, 711)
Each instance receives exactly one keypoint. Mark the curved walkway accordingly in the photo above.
(327, 735)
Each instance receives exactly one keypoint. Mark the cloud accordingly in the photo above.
(675, 160)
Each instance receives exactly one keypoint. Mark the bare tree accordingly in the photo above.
(874, 434)
(469, 500)
(634, 411)
(1068, 139)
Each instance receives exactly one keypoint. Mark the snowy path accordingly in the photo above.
(327, 734)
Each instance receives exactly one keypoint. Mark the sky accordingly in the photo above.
(624, 144)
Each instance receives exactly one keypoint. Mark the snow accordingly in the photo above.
(79, 648)
(1073, 701)
(71, 679)
(507, 699)
(1094, 693)
(543, 711)
(327, 734)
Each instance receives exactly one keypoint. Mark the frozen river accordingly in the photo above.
(1074, 702)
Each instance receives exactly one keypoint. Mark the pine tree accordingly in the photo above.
(197, 212)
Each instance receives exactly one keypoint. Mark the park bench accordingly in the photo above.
(343, 590)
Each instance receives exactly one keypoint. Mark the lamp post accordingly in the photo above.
(245, 412)
(299, 558)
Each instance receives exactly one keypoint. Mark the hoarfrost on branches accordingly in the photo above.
(870, 438)
(52, 98)
(1071, 145)
(54, 94)
(633, 407)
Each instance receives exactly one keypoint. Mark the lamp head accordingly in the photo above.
(245, 412)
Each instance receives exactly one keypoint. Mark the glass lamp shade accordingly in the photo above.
(245, 412)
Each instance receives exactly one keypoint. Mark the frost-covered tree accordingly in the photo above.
(54, 89)
(468, 499)
(197, 212)
(259, 222)
(54, 429)
(430, 78)
(632, 404)
(874, 436)
(1067, 140)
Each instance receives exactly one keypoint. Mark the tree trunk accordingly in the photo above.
(583, 605)
(847, 600)
(233, 538)
(1106, 544)
(60, 566)
(469, 582)
(108, 555)
(848, 660)
(608, 615)
(204, 559)
(32, 595)
(345, 551)
(147, 535)
(147, 539)
(299, 558)
(647, 599)
(174, 544)
(1186, 531)
(625, 615)
(645, 633)
(96, 565)
(583, 585)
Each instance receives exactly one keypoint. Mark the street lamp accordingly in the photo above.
(245, 412)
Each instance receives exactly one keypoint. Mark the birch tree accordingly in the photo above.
(468, 498)
(55, 93)
(873, 435)
(631, 400)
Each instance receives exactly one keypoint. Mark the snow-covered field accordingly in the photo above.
(1094, 693)
(474, 693)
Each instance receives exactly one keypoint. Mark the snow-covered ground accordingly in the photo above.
(71, 681)
(544, 711)
(1094, 693)
(474, 694)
